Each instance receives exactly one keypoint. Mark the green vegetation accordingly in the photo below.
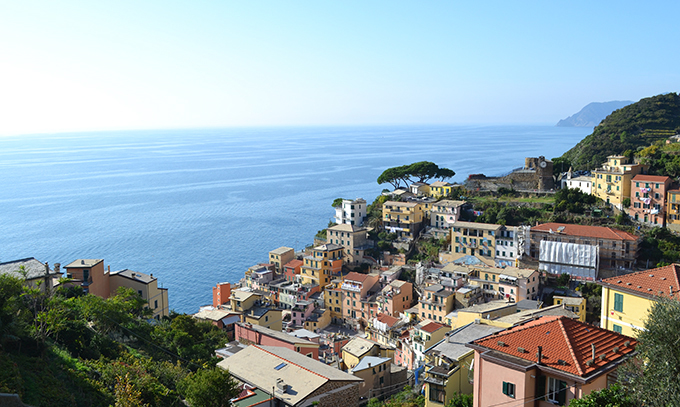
(337, 202)
(662, 158)
(651, 377)
(405, 398)
(593, 294)
(65, 348)
(635, 126)
(427, 250)
(614, 396)
(422, 171)
(659, 247)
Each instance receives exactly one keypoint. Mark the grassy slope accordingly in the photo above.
(631, 127)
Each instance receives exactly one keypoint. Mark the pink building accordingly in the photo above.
(648, 198)
(301, 311)
(552, 360)
(357, 289)
(260, 335)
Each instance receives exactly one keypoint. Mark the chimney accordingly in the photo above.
(369, 364)
(82, 261)
(670, 291)
(540, 353)
(47, 268)
(57, 268)
(592, 345)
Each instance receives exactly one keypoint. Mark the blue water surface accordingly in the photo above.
(199, 206)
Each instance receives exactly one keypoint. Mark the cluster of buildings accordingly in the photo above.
(93, 278)
(652, 200)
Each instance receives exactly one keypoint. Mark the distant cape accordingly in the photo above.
(593, 114)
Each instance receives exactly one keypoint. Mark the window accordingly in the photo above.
(618, 302)
(617, 328)
(509, 389)
(437, 393)
(557, 391)
(155, 303)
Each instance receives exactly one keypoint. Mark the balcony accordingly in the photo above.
(351, 287)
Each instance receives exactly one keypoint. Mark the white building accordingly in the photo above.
(511, 243)
(584, 183)
(444, 213)
(351, 212)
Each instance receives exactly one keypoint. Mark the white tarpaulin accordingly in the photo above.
(575, 259)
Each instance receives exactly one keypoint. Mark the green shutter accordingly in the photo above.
(562, 394)
(505, 388)
(618, 302)
(540, 387)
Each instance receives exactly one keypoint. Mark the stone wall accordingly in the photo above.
(335, 394)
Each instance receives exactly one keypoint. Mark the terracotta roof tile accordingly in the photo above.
(387, 319)
(651, 178)
(652, 282)
(354, 276)
(431, 327)
(294, 263)
(566, 344)
(599, 232)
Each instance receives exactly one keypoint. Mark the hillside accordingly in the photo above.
(592, 114)
(627, 129)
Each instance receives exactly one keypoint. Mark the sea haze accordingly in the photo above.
(196, 207)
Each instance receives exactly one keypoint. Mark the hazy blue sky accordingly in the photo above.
(88, 65)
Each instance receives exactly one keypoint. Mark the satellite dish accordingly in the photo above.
(543, 164)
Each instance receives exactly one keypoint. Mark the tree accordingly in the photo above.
(337, 202)
(422, 171)
(563, 279)
(652, 375)
(614, 396)
(460, 400)
(209, 388)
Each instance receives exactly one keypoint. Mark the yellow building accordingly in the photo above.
(324, 263)
(485, 311)
(440, 189)
(357, 349)
(577, 305)
(280, 257)
(243, 300)
(626, 300)
(448, 364)
(473, 239)
(436, 303)
(271, 318)
(146, 286)
(673, 210)
(406, 219)
(333, 300)
(611, 183)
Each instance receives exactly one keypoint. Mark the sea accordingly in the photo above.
(195, 207)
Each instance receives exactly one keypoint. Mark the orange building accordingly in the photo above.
(221, 294)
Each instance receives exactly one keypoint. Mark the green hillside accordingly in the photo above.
(625, 130)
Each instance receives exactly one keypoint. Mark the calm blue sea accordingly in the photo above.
(195, 207)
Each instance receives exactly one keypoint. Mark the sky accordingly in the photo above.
(105, 65)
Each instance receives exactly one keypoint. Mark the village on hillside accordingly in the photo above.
(415, 292)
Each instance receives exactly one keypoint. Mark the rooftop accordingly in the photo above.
(389, 320)
(652, 178)
(328, 247)
(597, 232)
(648, 283)
(449, 203)
(133, 275)
(529, 314)
(263, 366)
(431, 327)
(440, 184)
(453, 345)
(84, 263)
(368, 362)
(282, 336)
(566, 345)
(344, 227)
(33, 268)
(294, 263)
(359, 346)
(473, 225)
(487, 306)
(282, 250)
(404, 204)
(358, 277)
(214, 314)
(241, 295)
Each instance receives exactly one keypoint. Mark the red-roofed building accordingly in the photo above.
(626, 299)
(386, 329)
(421, 337)
(582, 250)
(648, 198)
(357, 290)
(551, 361)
